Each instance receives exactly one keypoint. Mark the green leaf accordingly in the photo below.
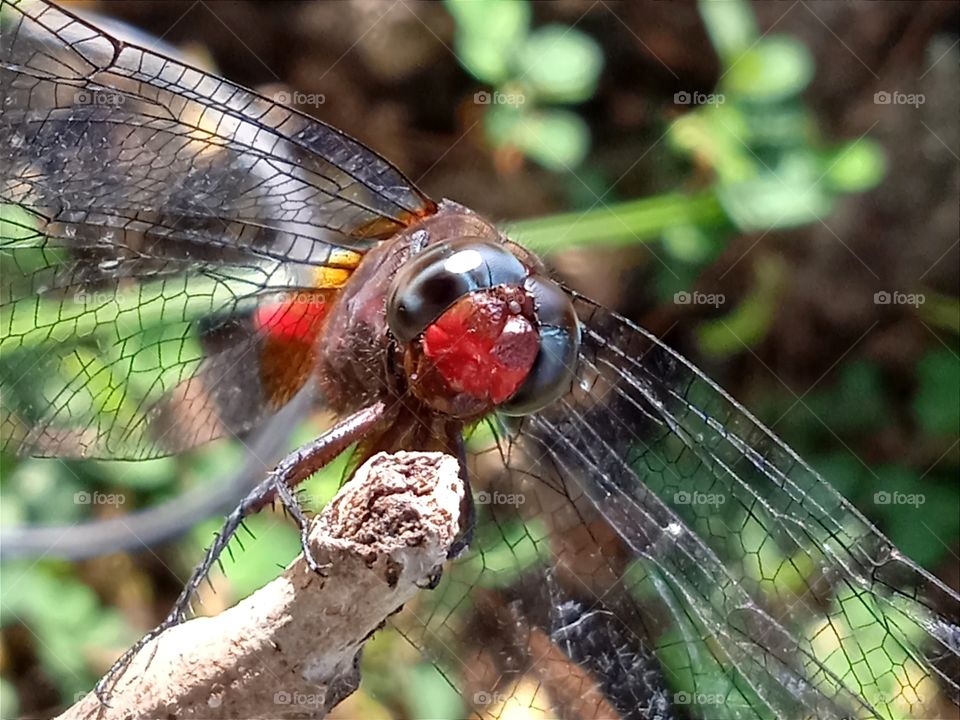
(789, 196)
(877, 676)
(690, 667)
(744, 327)
(17, 224)
(508, 550)
(941, 311)
(776, 127)
(561, 64)
(857, 403)
(937, 402)
(688, 243)
(928, 511)
(716, 135)
(142, 475)
(430, 696)
(63, 614)
(275, 543)
(856, 166)
(9, 702)
(44, 492)
(489, 32)
(748, 323)
(844, 471)
(556, 139)
(776, 68)
(730, 24)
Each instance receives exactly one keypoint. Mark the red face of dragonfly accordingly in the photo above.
(474, 327)
(182, 258)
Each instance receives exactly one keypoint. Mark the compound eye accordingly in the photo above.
(553, 370)
(432, 281)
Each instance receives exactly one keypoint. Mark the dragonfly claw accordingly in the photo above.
(432, 580)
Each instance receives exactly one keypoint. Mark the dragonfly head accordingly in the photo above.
(480, 330)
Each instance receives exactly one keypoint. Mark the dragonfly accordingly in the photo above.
(183, 258)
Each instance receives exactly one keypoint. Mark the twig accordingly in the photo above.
(292, 648)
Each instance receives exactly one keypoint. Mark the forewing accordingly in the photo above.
(764, 591)
(159, 225)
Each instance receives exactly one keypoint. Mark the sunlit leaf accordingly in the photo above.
(562, 64)
(488, 33)
(856, 167)
(776, 68)
(556, 139)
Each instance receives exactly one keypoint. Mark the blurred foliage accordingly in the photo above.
(530, 72)
(768, 168)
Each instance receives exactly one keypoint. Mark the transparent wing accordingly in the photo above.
(654, 551)
(538, 619)
(769, 594)
(148, 211)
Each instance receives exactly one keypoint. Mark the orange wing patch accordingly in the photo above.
(381, 228)
(292, 324)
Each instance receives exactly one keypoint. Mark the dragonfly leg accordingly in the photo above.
(468, 511)
(291, 471)
(432, 580)
(292, 506)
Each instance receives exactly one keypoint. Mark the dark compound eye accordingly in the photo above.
(553, 370)
(439, 276)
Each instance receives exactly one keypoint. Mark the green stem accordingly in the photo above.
(628, 223)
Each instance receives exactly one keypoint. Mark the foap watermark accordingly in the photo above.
(299, 99)
(698, 298)
(699, 698)
(883, 497)
(98, 498)
(86, 297)
(698, 98)
(485, 97)
(482, 698)
(685, 497)
(895, 97)
(98, 97)
(895, 297)
(499, 498)
(300, 699)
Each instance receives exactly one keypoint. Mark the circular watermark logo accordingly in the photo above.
(698, 98)
(685, 497)
(698, 298)
(883, 497)
(486, 97)
(499, 498)
(98, 498)
(895, 297)
(98, 97)
(895, 97)
(297, 98)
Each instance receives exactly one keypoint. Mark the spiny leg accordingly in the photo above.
(292, 505)
(468, 511)
(292, 470)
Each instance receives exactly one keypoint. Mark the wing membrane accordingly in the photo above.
(148, 213)
(756, 564)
